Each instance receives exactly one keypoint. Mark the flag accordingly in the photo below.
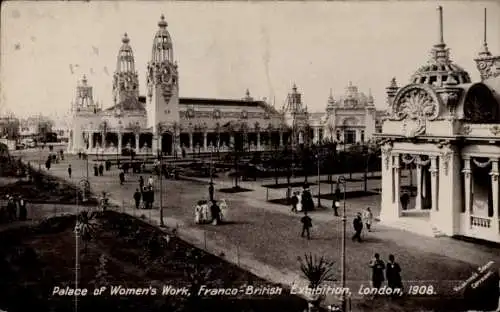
(71, 69)
(95, 50)
(106, 70)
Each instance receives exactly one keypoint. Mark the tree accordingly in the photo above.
(316, 270)
(10, 129)
(44, 128)
(86, 225)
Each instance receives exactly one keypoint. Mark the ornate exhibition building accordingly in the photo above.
(163, 122)
(444, 133)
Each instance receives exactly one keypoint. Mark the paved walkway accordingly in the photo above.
(264, 237)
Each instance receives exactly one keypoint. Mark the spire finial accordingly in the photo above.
(485, 26)
(84, 79)
(441, 35)
(294, 88)
(125, 38)
(162, 23)
(331, 93)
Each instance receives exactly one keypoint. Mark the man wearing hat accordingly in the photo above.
(358, 227)
(211, 191)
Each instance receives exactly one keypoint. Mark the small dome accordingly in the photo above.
(440, 72)
(162, 43)
(440, 68)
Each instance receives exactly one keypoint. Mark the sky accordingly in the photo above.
(223, 48)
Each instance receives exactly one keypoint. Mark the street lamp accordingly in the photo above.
(342, 180)
(211, 164)
(319, 180)
(159, 131)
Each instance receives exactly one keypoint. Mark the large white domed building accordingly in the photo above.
(163, 122)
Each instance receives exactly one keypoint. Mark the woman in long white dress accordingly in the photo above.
(197, 214)
(299, 203)
(223, 210)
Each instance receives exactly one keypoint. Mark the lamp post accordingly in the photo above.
(319, 180)
(159, 130)
(211, 164)
(342, 180)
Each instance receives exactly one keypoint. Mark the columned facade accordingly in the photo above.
(448, 130)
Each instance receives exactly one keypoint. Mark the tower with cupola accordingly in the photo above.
(162, 86)
(125, 78)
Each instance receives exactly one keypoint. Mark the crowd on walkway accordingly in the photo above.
(13, 209)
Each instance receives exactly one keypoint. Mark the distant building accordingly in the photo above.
(350, 118)
(161, 122)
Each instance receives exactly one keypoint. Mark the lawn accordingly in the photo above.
(42, 188)
(348, 195)
(286, 185)
(122, 251)
(234, 189)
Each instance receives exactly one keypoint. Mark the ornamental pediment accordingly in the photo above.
(415, 105)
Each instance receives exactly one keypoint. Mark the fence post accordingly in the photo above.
(205, 239)
(267, 194)
(238, 254)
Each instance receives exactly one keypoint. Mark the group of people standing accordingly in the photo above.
(145, 193)
(302, 201)
(392, 272)
(14, 210)
(362, 219)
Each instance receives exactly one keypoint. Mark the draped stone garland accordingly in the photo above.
(481, 164)
(408, 159)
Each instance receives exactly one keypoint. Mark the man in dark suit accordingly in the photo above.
(211, 191)
(137, 198)
(306, 225)
(393, 273)
(358, 227)
(378, 267)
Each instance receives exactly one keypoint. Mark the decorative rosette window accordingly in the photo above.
(217, 114)
(190, 113)
(415, 105)
(244, 114)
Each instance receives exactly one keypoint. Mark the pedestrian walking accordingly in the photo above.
(306, 225)
(101, 169)
(79, 155)
(11, 209)
(307, 201)
(335, 207)
(393, 274)
(150, 181)
(211, 191)
(137, 198)
(378, 267)
(368, 218)
(23, 212)
(69, 171)
(215, 211)
(122, 177)
(141, 183)
(358, 227)
(405, 199)
(295, 201)
(151, 197)
(96, 170)
(145, 198)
